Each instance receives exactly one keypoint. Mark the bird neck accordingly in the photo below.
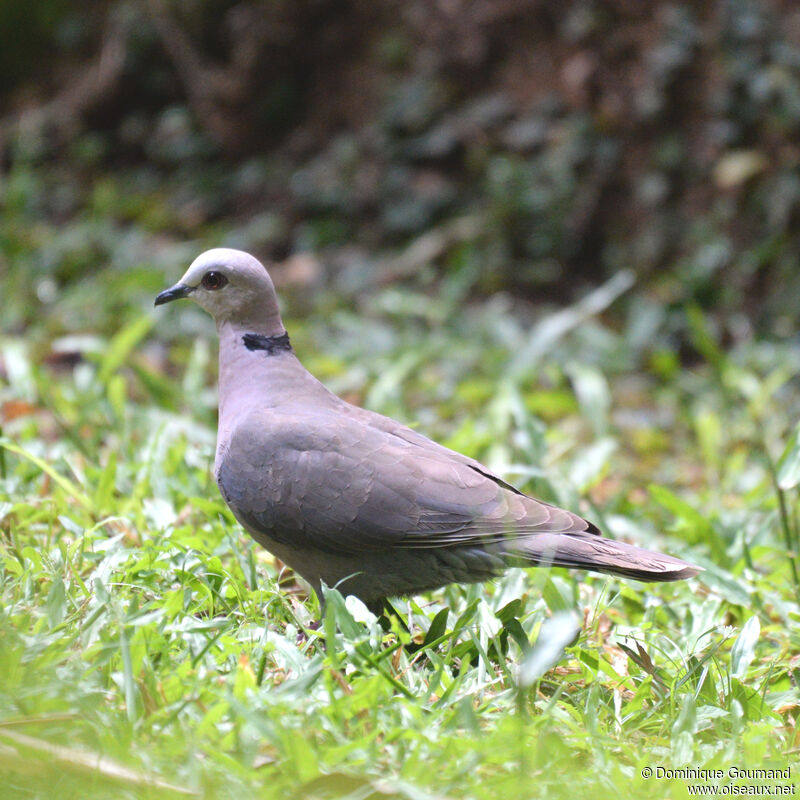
(260, 370)
(255, 327)
(245, 350)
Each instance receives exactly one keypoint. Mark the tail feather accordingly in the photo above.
(598, 554)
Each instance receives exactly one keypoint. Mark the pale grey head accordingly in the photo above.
(234, 287)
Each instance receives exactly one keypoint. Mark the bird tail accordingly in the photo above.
(595, 553)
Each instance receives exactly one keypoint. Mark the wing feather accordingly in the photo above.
(347, 487)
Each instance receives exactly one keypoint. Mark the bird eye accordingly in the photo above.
(213, 280)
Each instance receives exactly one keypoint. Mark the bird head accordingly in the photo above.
(233, 286)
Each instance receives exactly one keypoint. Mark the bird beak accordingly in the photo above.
(174, 293)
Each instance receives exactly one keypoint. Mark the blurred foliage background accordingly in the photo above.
(559, 142)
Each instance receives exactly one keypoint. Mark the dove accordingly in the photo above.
(353, 499)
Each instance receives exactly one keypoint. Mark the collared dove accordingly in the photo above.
(355, 499)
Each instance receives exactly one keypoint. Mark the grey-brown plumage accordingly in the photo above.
(352, 498)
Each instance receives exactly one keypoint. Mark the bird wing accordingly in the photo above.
(348, 484)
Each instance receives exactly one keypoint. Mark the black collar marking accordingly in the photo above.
(270, 344)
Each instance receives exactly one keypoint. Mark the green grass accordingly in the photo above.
(149, 649)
